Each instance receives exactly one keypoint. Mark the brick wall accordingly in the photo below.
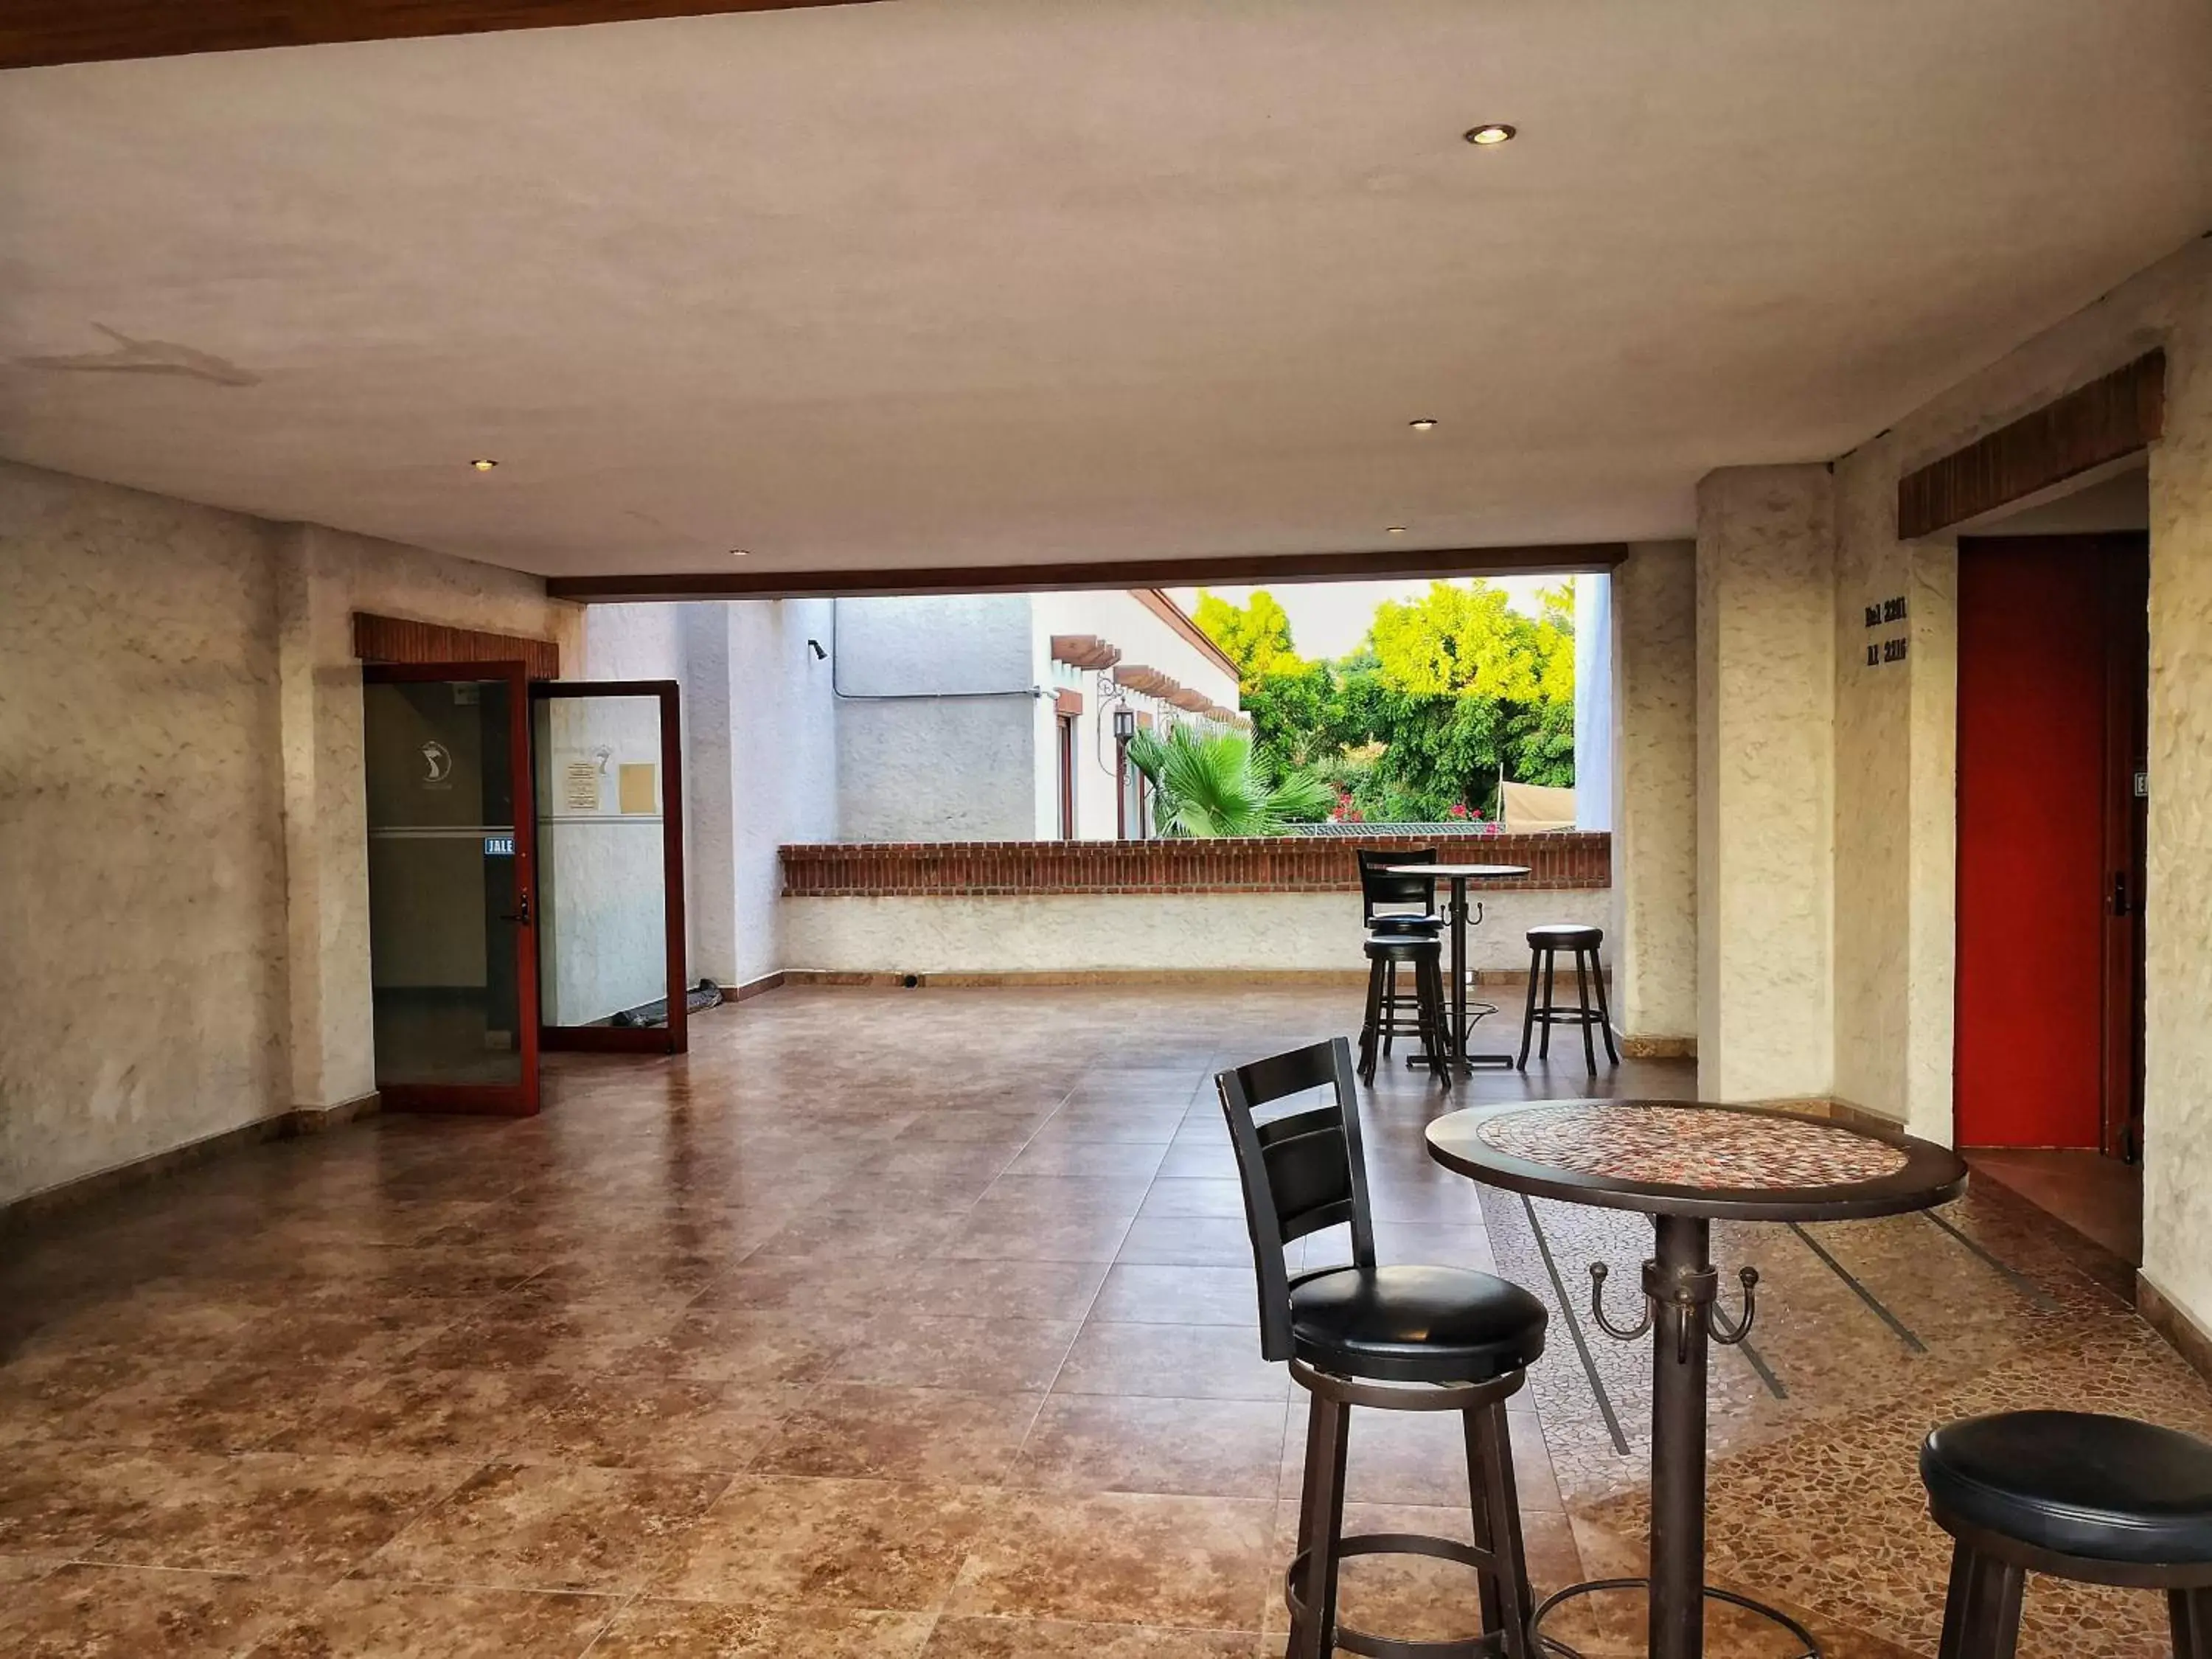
(1290, 864)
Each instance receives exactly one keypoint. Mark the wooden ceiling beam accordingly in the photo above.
(38, 33)
(2111, 416)
(1241, 568)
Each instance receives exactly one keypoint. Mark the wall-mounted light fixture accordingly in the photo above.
(814, 646)
(1125, 725)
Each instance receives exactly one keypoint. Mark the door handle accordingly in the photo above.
(2119, 892)
(521, 915)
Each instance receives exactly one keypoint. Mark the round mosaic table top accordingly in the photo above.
(1688, 1159)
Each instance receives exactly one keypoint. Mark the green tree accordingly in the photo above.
(1255, 636)
(1216, 786)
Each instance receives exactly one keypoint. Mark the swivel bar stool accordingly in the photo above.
(2097, 1499)
(1544, 946)
(1392, 1339)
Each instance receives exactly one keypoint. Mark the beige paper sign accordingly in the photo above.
(635, 787)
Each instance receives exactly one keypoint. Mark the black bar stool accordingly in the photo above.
(2100, 1500)
(1544, 946)
(1387, 1012)
(1392, 1339)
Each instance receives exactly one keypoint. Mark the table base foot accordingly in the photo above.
(1465, 1062)
(1808, 1647)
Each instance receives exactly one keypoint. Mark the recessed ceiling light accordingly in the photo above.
(1489, 133)
(1426, 423)
(1394, 529)
(483, 466)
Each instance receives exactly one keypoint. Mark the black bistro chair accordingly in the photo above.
(1398, 907)
(2078, 1495)
(1388, 1338)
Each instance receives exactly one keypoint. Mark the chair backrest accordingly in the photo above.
(1378, 888)
(1302, 1171)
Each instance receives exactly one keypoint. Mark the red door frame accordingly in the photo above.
(519, 1098)
(673, 1037)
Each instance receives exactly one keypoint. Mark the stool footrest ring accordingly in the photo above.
(1489, 1645)
(1541, 1643)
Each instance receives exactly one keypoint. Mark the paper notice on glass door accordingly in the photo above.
(579, 786)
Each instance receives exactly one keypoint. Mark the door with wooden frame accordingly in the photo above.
(452, 880)
(2053, 681)
(608, 797)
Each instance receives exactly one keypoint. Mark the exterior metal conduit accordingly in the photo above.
(843, 696)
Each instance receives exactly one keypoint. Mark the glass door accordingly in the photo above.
(453, 969)
(610, 825)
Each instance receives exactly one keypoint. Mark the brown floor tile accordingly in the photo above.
(614, 1420)
(1112, 1443)
(554, 1528)
(520, 1334)
(938, 1435)
(1115, 1162)
(651, 1629)
(81, 1612)
(1196, 1562)
(1188, 1240)
(784, 1541)
(466, 1414)
(1142, 1293)
(261, 1511)
(1074, 1236)
(739, 1345)
(1194, 1361)
(1044, 1639)
(1009, 1290)
(1421, 1458)
(370, 1618)
(933, 1350)
(1205, 1198)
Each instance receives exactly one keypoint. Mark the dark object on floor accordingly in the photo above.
(1387, 1012)
(705, 994)
(1544, 946)
(2097, 1499)
(1392, 1339)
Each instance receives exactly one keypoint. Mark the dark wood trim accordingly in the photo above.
(672, 1037)
(39, 33)
(1067, 702)
(2111, 416)
(753, 987)
(399, 638)
(1562, 559)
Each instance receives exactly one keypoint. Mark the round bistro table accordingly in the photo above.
(1459, 875)
(1687, 1165)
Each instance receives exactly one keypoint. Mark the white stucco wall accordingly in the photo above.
(1766, 782)
(1655, 790)
(914, 763)
(1595, 712)
(1081, 931)
(184, 938)
(784, 762)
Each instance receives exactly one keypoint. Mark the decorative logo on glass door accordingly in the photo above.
(438, 761)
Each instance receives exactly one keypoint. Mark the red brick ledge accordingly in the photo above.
(1288, 864)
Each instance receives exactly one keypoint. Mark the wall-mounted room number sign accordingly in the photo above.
(499, 847)
(1878, 615)
(1888, 611)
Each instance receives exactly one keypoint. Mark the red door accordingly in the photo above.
(2043, 633)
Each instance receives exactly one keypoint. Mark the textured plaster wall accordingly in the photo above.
(323, 577)
(1079, 932)
(1765, 823)
(915, 764)
(142, 848)
(1894, 974)
(784, 760)
(1655, 791)
(183, 861)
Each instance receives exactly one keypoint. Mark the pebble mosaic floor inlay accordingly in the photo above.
(919, 1324)
(1690, 1147)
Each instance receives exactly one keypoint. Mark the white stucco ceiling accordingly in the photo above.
(933, 282)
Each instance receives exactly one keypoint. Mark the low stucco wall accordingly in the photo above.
(1075, 932)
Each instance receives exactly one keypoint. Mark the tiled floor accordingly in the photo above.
(898, 1324)
(2098, 1197)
